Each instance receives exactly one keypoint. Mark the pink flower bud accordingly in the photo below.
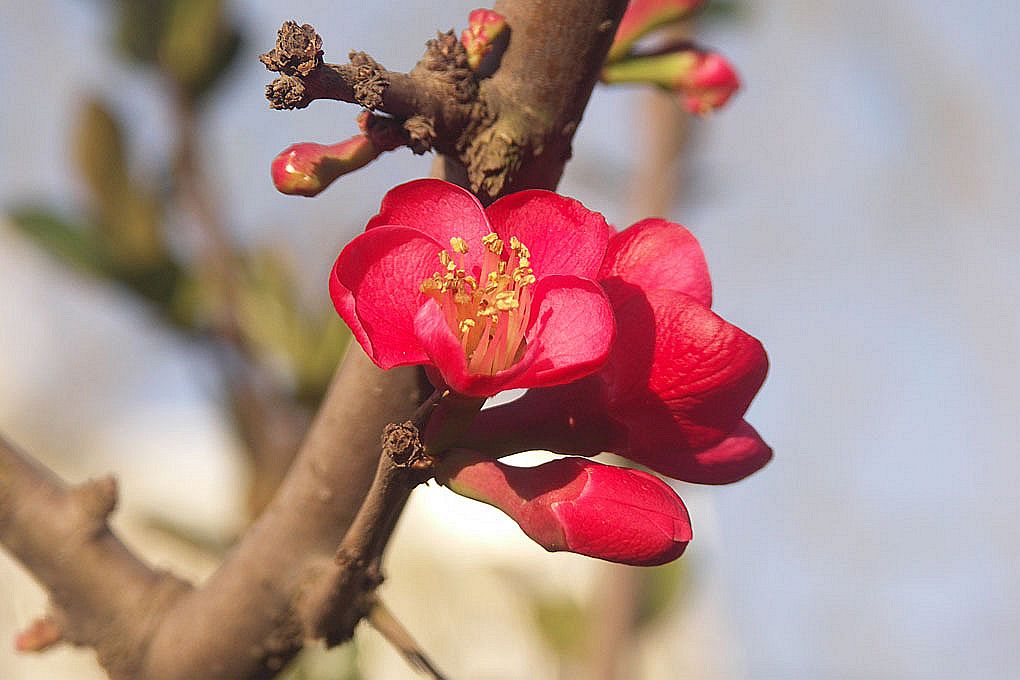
(484, 26)
(573, 504)
(710, 84)
(704, 80)
(644, 16)
(42, 634)
(307, 168)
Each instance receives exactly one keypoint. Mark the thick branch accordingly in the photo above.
(242, 622)
(101, 594)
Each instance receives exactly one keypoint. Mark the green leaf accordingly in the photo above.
(72, 242)
(198, 44)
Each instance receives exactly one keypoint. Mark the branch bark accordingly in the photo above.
(246, 620)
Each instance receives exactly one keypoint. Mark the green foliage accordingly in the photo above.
(68, 241)
(99, 151)
(307, 342)
(724, 11)
(192, 41)
(661, 588)
(139, 28)
(198, 45)
(563, 623)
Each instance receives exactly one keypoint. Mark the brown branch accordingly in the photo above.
(101, 595)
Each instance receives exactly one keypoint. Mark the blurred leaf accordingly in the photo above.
(98, 150)
(198, 44)
(133, 230)
(661, 588)
(724, 11)
(68, 241)
(304, 343)
(563, 624)
(140, 27)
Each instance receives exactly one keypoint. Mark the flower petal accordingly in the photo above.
(573, 504)
(680, 376)
(375, 288)
(624, 515)
(740, 454)
(569, 336)
(440, 209)
(656, 254)
(563, 236)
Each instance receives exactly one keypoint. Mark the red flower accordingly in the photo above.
(573, 504)
(491, 299)
(672, 394)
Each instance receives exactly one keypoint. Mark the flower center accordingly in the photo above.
(489, 312)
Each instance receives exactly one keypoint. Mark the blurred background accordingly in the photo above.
(164, 316)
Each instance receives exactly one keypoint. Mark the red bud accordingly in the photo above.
(574, 504)
(484, 26)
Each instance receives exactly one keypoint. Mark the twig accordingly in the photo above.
(383, 620)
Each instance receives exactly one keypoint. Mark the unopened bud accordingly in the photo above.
(40, 635)
(307, 168)
(644, 16)
(704, 80)
(484, 26)
(574, 504)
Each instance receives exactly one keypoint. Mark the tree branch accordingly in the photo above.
(245, 621)
(101, 595)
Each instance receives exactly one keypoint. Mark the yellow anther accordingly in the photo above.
(459, 245)
(492, 243)
(506, 301)
(466, 325)
(445, 258)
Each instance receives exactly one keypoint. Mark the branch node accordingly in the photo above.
(96, 500)
(287, 92)
(369, 80)
(446, 58)
(422, 133)
(401, 443)
(298, 50)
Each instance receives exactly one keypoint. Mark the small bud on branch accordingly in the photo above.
(705, 80)
(484, 26)
(305, 169)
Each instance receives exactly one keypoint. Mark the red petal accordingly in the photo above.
(680, 377)
(569, 336)
(375, 288)
(440, 209)
(563, 236)
(742, 453)
(656, 254)
(571, 332)
(625, 515)
(573, 504)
